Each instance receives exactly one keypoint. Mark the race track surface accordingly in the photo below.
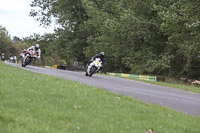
(183, 101)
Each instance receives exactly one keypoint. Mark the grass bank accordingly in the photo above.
(173, 83)
(178, 86)
(31, 103)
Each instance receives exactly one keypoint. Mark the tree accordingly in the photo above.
(70, 15)
(181, 22)
(6, 44)
(143, 37)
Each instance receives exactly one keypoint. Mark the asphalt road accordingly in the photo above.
(183, 101)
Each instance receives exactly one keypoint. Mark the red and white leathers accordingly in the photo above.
(35, 51)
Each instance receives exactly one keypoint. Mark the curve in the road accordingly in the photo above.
(184, 101)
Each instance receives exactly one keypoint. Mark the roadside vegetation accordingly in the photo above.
(138, 37)
(31, 102)
(173, 83)
(177, 85)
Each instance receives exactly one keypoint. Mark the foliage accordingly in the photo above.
(141, 37)
(6, 45)
(69, 15)
(181, 23)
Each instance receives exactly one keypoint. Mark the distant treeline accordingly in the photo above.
(7, 46)
(140, 37)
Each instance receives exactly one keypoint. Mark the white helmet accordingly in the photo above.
(37, 46)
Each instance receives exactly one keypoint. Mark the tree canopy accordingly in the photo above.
(141, 37)
(7, 46)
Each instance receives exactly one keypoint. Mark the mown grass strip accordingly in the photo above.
(178, 86)
(31, 102)
(151, 80)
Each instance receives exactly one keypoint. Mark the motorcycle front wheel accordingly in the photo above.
(92, 71)
(26, 62)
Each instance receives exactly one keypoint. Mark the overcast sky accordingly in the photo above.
(14, 16)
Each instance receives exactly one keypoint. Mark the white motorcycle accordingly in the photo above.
(93, 67)
(28, 58)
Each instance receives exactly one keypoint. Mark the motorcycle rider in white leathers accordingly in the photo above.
(35, 49)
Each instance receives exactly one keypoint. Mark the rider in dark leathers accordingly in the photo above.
(3, 57)
(101, 55)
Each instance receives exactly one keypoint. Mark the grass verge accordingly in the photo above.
(178, 86)
(31, 102)
(172, 85)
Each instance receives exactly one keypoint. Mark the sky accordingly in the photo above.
(14, 16)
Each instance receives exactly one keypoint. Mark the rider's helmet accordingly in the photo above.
(2, 53)
(37, 46)
(102, 53)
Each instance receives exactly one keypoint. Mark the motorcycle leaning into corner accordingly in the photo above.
(93, 67)
(12, 59)
(28, 58)
(2, 57)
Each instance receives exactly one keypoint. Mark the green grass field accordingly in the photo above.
(36, 103)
